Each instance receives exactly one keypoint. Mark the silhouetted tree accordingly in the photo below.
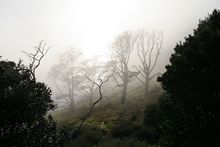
(122, 48)
(24, 104)
(102, 79)
(192, 83)
(148, 50)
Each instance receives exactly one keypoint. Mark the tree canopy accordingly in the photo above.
(192, 83)
(24, 104)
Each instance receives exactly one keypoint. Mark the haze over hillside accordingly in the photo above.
(109, 73)
(92, 25)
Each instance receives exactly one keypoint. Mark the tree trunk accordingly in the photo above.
(146, 89)
(90, 100)
(72, 104)
(147, 86)
(124, 92)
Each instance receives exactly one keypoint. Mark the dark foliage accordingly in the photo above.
(125, 129)
(133, 130)
(85, 137)
(152, 120)
(192, 84)
(24, 104)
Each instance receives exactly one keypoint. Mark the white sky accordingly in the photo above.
(92, 24)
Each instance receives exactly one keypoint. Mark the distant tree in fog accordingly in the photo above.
(122, 48)
(148, 46)
(68, 75)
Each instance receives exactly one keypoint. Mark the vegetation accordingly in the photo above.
(191, 105)
(184, 112)
(24, 105)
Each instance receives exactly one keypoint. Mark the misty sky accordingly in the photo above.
(92, 24)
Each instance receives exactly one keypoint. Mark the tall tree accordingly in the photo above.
(148, 50)
(122, 48)
(192, 83)
(68, 75)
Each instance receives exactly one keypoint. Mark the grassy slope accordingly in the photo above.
(110, 113)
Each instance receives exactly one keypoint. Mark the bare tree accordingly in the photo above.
(122, 48)
(40, 51)
(98, 83)
(148, 51)
(68, 75)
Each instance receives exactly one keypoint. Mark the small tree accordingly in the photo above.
(24, 104)
(102, 79)
(148, 50)
(192, 83)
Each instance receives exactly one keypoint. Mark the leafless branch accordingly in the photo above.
(99, 83)
(157, 74)
(35, 58)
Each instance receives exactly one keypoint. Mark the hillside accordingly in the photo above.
(110, 112)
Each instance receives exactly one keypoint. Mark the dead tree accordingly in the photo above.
(36, 57)
(98, 83)
(122, 48)
(148, 50)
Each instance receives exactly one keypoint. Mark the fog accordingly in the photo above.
(92, 26)
(110, 73)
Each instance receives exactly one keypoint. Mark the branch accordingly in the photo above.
(35, 58)
(158, 52)
(157, 74)
(99, 84)
(140, 71)
(139, 79)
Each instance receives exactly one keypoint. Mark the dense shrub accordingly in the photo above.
(152, 115)
(192, 84)
(125, 129)
(85, 138)
(24, 104)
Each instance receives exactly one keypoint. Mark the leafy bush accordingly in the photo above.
(24, 104)
(192, 83)
(66, 133)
